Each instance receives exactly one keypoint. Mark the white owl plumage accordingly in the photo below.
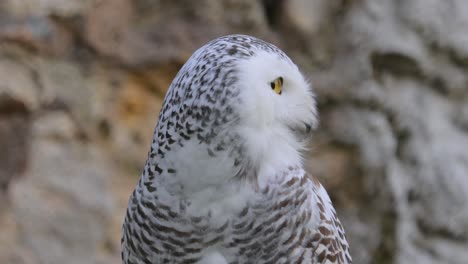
(224, 179)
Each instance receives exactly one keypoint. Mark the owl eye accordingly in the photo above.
(277, 84)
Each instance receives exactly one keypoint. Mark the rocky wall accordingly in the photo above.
(82, 81)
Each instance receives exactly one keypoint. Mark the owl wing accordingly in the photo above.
(328, 242)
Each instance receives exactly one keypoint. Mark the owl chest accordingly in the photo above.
(275, 229)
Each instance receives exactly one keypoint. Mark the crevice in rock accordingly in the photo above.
(59, 105)
(15, 135)
(439, 232)
(402, 136)
(385, 252)
(104, 128)
(403, 66)
(82, 50)
(439, 86)
(56, 105)
(395, 63)
(273, 10)
(10, 106)
(453, 56)
(462, 125)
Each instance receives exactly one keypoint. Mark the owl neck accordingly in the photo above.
(271, 150)
(248, 156)
(190, 167)
(222, 184)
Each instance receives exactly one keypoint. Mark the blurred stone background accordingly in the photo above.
(82, 81)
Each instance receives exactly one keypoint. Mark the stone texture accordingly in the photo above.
(14, 138)
(83, 81)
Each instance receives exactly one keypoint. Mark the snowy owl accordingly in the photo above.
(224, 179)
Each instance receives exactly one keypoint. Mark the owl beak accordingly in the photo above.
(303, 131)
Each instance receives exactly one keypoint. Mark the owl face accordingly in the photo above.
(277, 111)
(275, 96)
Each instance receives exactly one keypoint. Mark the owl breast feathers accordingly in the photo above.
(224, 180)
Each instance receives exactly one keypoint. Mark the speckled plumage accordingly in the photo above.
(224, 181)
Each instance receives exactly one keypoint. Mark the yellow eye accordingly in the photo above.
(277, 84)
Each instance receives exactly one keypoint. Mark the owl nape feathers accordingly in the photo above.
(224, 179)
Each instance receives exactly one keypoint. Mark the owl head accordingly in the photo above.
(239, 104)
